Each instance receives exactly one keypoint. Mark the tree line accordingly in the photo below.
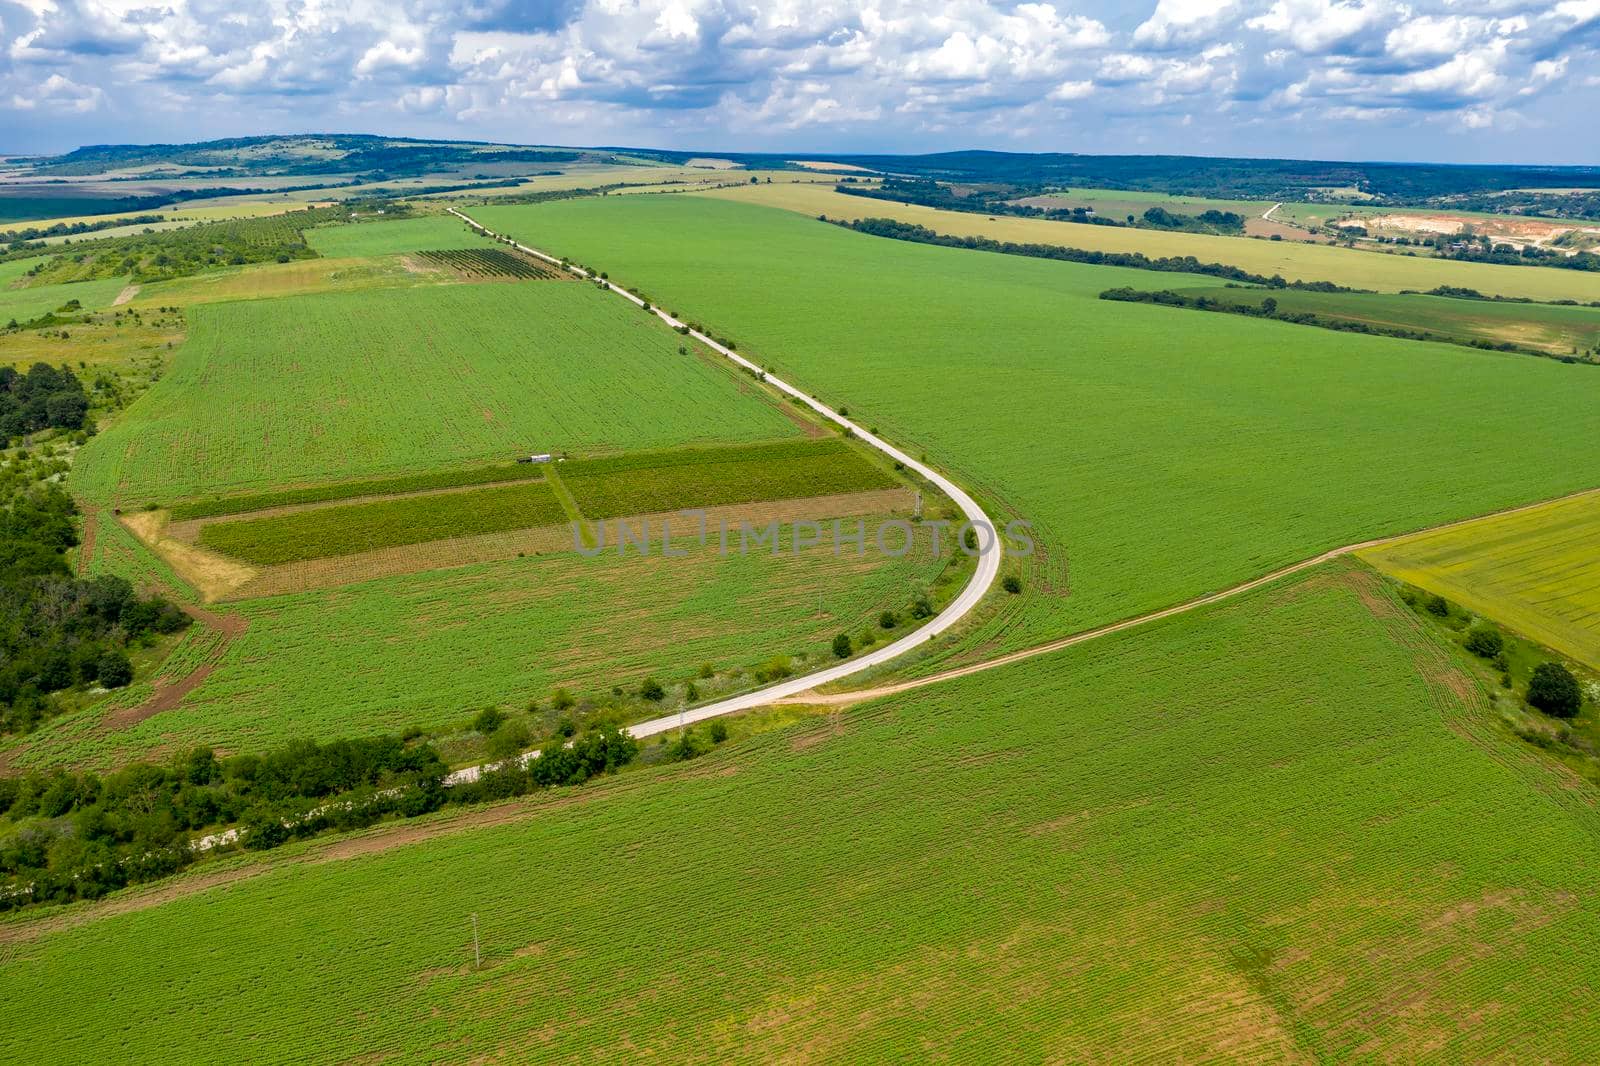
(1268, 308)
(1187, 264)
(80, 836)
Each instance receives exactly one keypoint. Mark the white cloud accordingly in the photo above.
(715, 71)
(1177, 22)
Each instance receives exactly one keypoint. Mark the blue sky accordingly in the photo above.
(1463, 81)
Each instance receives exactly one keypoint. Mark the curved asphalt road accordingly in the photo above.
(983, 576)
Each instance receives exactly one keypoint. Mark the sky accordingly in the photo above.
(1442, 80)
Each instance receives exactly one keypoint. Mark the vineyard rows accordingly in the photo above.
(711, 477)
(491, 263)
(358, 527)
(214, 506)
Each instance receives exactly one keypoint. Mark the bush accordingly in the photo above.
(921, 608)
(651, 690)
(888, 620)
(719, 731)
(562, 700)
(508, 740)
(1012, 584)
(1485, 641)
(488, 720)
(1555, 691)
(114, 669)
(842, 648)
(1439, 606)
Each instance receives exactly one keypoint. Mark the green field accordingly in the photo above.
(1117, 203)
(1291, 259)
(1536, 571)
(211, 506)
(1559, 330)
(430, 649)
(323, 532)
(396, 236)
(1256, 833)
(274, 393)
(644, 483)
(23, 304)
(1158, 453)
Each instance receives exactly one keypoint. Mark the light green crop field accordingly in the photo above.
(270, 393)
(298, 277)
(429, 649)
(210, 506)
(23, 304)
(1536, 571)
(645, 483)
(1116, 203)
(1552, 328)
(1159, 453)
(1292, 259)
(324, 532)
(395, 236)
(1252, 834)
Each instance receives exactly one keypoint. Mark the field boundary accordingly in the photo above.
(835, 699)
(983, 574)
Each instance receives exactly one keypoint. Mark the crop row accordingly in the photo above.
(211, 506)
(711, 477)
(490, 263)
(344, 530)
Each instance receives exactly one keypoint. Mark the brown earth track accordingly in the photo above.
(169, 694)
(91, 520)
(814, 698)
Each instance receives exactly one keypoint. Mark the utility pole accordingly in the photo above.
(477, 956)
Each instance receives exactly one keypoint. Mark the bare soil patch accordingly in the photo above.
(213, 576)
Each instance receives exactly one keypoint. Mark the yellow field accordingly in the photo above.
(667, 175)
(1536, 571)
(1295, 261)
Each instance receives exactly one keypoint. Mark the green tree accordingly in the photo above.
(488, 720)
(115, 670)
(1485, 641)
(651, 690)
(842, 648)
(1554, 690)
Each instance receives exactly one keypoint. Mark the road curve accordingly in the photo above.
(982, 579)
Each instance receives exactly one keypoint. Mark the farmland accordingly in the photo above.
(1552, 328)
(300, 277)
(391, 237)
(642, 483)
(346, 529)
(429, 649)
(212, 506)
(22, 304)
(1307, 262)
(1536, 571)
(1111, 848)
(1184, 452)
(274, 393)
(479, 263)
